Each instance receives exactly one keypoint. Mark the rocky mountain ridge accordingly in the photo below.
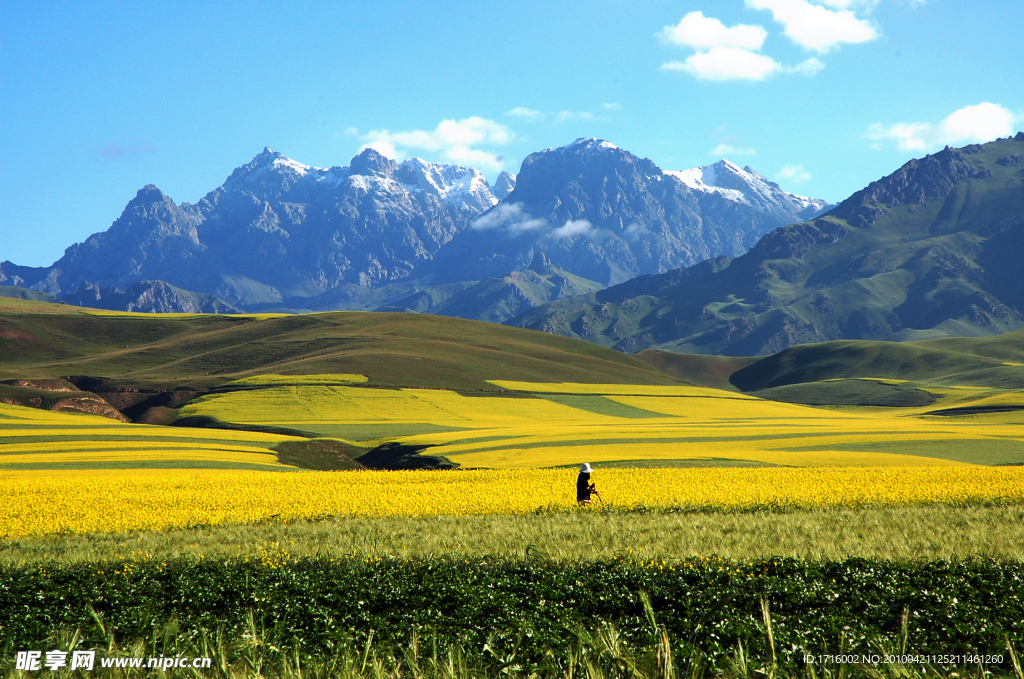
(602, 213)
(279, 234)
(278, 228)
(930, 251)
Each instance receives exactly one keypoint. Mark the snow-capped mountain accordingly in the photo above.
(278, 228)
(746, 186)
(600, 212)
(279, 232)
(271, 175)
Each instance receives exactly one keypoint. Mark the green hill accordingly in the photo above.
(859, 372)
(925, 253)
(16, 292)
(162, 352)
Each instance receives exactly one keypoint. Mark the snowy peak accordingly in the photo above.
(270, 173)
(370, 163)
(745, 185)
(587, 146)
(454, 183)
(504, 185)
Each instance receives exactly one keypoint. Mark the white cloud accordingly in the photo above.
(565, 116)
(351, 132)
(851, 4)
(726, 63)
(527, 114)
(817, 28)
(613, 106)
(794, 174)
(508, 216)
(723, 150)
(515, 220)
(979, 123)
(808, 67)
(702, 33)
(635, 231)
(453, 140)
(572, 228)
(728, 53)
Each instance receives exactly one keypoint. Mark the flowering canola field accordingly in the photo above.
(78, 502)
(40, 440)
(552, 425)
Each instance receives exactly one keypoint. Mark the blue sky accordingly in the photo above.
(822, 96)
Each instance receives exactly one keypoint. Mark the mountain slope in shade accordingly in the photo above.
(278, 228)
(149, 297)
(932, 250)
(499, 298)
(602, 213)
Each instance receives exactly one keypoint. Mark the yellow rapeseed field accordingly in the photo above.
(40, 440)
(617, 389)
(108, 501)
(565, 424)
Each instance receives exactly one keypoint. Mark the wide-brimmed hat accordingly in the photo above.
(585, 468)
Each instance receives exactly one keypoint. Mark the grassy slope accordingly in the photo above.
(898, 533)
(16, 292)
(848, 372)
(41, 340)
(921, 271)
(703, 369)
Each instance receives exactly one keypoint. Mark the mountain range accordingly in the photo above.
(929, 251)
(281, 235)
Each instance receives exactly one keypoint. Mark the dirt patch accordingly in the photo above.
(92, 406)
(123, 400)
(14, 334)
(42, 385)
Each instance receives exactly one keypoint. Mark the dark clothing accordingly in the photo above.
(583, 487)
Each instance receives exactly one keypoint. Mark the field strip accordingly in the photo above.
(321, 380)
(35, 415)
(786, 442)
(142, 445)
(144, 431)
(84, 502)
(65, 438)
(135, 466)
(148, 454)
(555, 456)
(620, 389)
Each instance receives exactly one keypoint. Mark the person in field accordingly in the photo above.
(584, 488)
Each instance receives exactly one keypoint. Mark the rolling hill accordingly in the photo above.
(125, 350)
(930, 251)
(863, 372)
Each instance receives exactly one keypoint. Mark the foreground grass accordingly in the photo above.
(599, 653)
(896, 533)
(523, 617)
